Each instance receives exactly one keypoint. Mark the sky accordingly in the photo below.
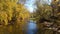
(30, 4)
(46, 1)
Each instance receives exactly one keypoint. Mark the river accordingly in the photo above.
(31, 27)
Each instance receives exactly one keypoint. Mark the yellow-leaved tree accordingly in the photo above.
(13, 13)
(10, 9)
(21, 15)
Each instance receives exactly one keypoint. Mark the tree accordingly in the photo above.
(11, 9)
(43, 11)
(13, 16)
(48, 13)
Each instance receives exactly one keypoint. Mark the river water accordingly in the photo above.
(31, 27)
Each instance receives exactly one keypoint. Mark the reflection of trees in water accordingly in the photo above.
(32, 27)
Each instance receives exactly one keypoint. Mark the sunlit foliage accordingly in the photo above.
(13, 17)
(12, 9)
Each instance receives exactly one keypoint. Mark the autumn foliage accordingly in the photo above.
(13, 17)
(12, 10)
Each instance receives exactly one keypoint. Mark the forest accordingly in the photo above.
(15, 17)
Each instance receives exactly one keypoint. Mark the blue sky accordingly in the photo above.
(30, 4)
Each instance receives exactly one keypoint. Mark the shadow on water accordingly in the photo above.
(31, 27)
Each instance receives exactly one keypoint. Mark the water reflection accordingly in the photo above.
(31, 27)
